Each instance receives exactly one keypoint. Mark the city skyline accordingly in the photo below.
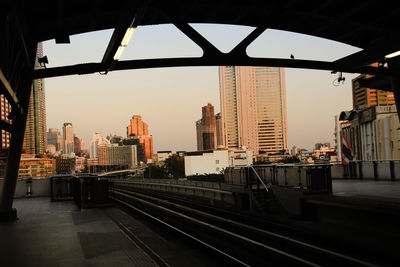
(162, 94)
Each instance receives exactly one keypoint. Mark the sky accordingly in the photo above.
(170, 99)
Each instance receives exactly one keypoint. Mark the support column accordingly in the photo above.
(14, 153)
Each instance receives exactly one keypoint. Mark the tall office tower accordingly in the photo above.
(139, 130)
(253, 108)
(83, 145)
(35, 141)
(94, 144)
(68, 138)
(218, 129)
(77, 145)
(5, 109)
(206, 129)
(137, 127)
(364, 97)
(55, 138)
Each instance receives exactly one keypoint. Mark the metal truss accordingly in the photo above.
(355, 63)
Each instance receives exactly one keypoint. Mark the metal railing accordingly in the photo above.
(259, 179)
(388, 170)
(313, 178)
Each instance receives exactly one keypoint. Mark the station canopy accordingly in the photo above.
(371, 26)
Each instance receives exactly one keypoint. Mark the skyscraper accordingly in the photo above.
(218, 129)
(206, 129)
(83, 145)
(35, 141)
(253, 108)
(137, 127)
(77, 145)
(138, 134)
(68, 138)
(55, 138)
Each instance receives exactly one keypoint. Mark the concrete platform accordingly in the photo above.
(58, 234)
(367, 188)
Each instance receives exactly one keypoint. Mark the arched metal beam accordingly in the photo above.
(222, 60)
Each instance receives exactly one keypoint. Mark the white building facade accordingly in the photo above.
(215, 161)
(206, 162)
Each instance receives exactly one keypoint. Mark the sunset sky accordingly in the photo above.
(170, 99)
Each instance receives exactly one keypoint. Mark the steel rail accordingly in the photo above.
(253, 229)
(223, 231)
(181, 232)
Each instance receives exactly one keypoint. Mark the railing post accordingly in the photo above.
(299, 172)
(375, 164)
(285, 172)
(29, 187)
(351, 169)
(345, 171)
(328, 178)
(308, 178)
(392, 174)
(69, 187)
(245, 171)
(271, 173)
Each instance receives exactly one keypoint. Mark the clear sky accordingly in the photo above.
(170, 99)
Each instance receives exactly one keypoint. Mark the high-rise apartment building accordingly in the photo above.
(68, 138)
(35, 141)
(206, 129)
(253, 108)
(364, 97)
(113, 154)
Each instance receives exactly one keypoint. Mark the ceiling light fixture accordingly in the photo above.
(392, 55)
(124, 43)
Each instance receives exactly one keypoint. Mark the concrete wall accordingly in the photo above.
(39, 188)
(311, 177)
(208, 191)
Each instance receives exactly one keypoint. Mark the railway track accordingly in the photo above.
(232, 240)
